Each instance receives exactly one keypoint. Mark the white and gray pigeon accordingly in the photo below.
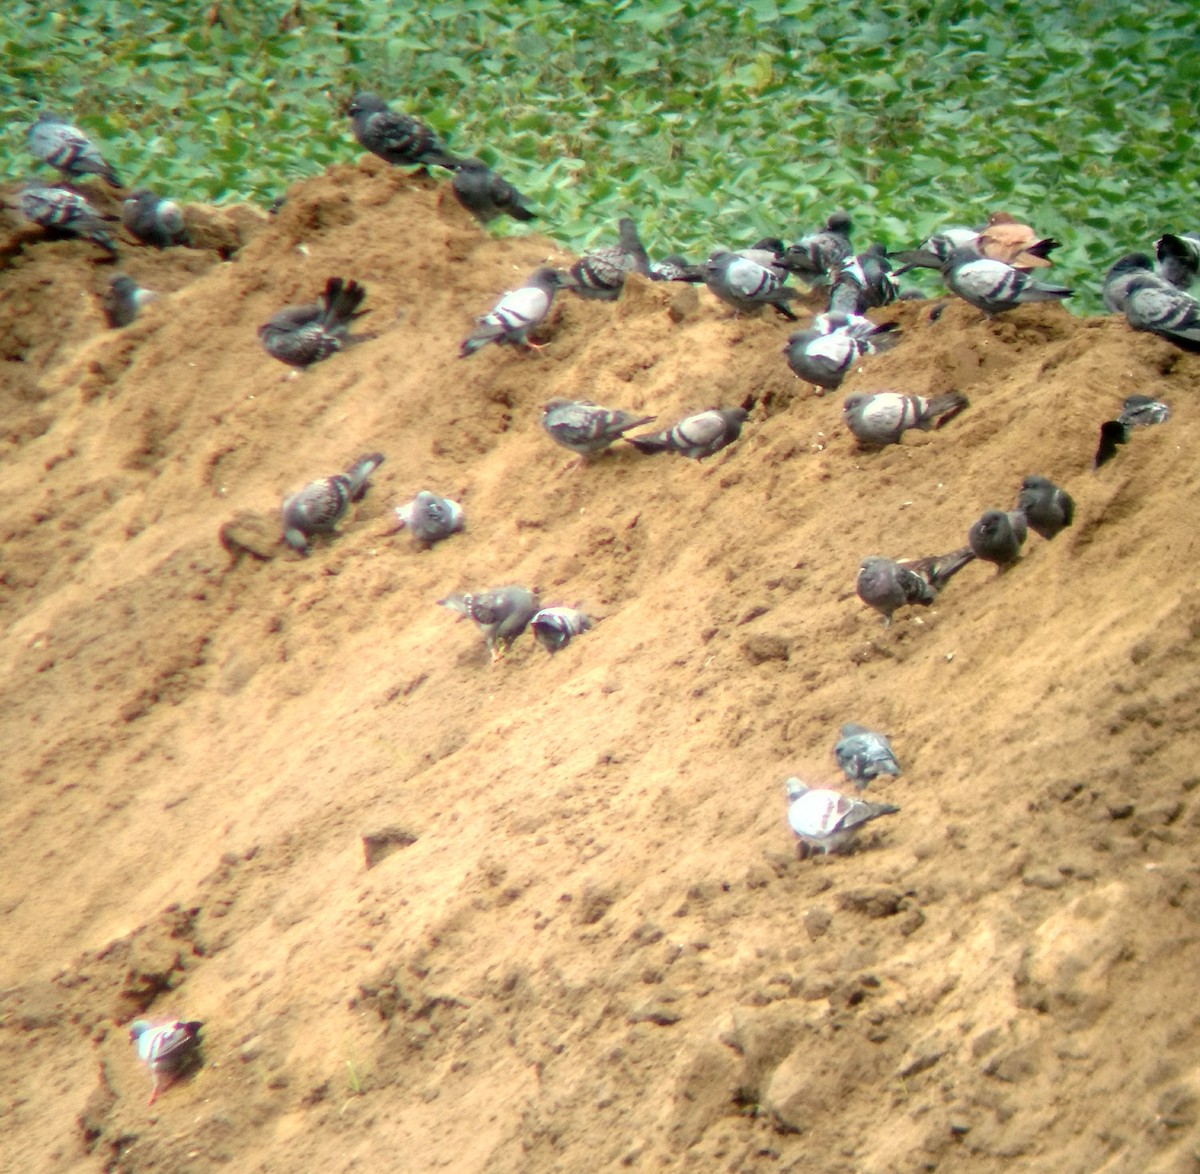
(320, 505)
(825, 353)
(398, 138)
(697, 436)
(882, 417)
(501, 614)
(1178, 258)
(554, 627)
(1048, 509)
(1139, 411)
(67, 149)
(888, 584)
(600, 274)
(429, 518)
(997, 536)
(864, 754)
(486, 194)
(935, 250)
(993, 286)
(746, 285)
(677, 268)
(124, 299)
(815, 255)
(863, 283)
(516, 313)
(585, 427)
(1132, 267)
(303, 335)
(66, 213)
(826, 820)
(167, 1049)
(1156, 306)
(153, 220)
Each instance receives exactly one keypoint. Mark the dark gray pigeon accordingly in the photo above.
(555, 627)
(1156, 306)
(863, 283)
(888, 584)
(584, 427)
(123, 299)
(68, 149)
(814, 256)
(303, 335)
(935, 251)
(747, 285)
(827, 820)
(677, 268)
(320, 505)
(153, 220)
(516, 313)
(486, 195)
(501, 614)
(167, 1049)
(1048, 509)
(1178, 258)
(997, 536)
(882, 417)
(65, 213)
(864, 754)
(696, 436)
(600, 274)
(398, 138)
(825, 353)
(1122, 274)
(429, 518)
(993, 286)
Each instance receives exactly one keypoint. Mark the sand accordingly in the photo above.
(593, 944)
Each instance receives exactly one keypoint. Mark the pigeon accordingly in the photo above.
(68, 149)
(696, 436)
(1122, 274)
(1178, 258)
(600, 275)
(815, 255)
(882, 418)
(398, 138)
(153, 220)
(516, 313)
(747, 285)
(1007, 239)
(677, 268)
(319, 506)
(429, 518)
(936, 249)
(828, 820)
(553, 627)
(123, 299)
(303, 335)
(68, 213)
(501, 614)
(584, 427)
(167, 1049)
(888, 584)
(993, 286)
(486, 195)
(863, 283)
(997, 536)
(1156, 306)
(1048, 509)
(825, 353)
(1139, 411)
(864, 755)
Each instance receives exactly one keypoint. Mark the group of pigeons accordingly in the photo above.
(991, 268)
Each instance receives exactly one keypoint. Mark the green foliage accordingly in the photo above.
(709, 122)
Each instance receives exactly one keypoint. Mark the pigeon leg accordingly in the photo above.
(154, 1092)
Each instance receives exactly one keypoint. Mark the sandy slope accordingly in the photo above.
(600, 949)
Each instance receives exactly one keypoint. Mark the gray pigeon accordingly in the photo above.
(997, 536)
(1048, 509)
(864, 754)
(696, 436)
(66, 213)
(398, 138)
(827, 820)
(153, 220)
(747, 285)
(584, 427)
(600, 274)
(935, 251)
(677, 268)
(516, 313)
(554, 627)
(888, 584)
(303, 335)
(501, 614)
(814, 256)
(167, 1049)
(319, 506)
(1178, 258)
(1140, 411)
(863, 283)
(882, 418)
(486, 195)
(124, 299)
(825, 353)
(1122, 274)
(1156, 306)
(429, 518)
(993, 286)
(68, 149)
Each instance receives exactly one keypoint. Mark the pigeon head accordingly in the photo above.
(838, 222)
(794, 789)
(365, 102)
(770, 244)
(1033, 481)
(549, 278)
(1132, 263)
